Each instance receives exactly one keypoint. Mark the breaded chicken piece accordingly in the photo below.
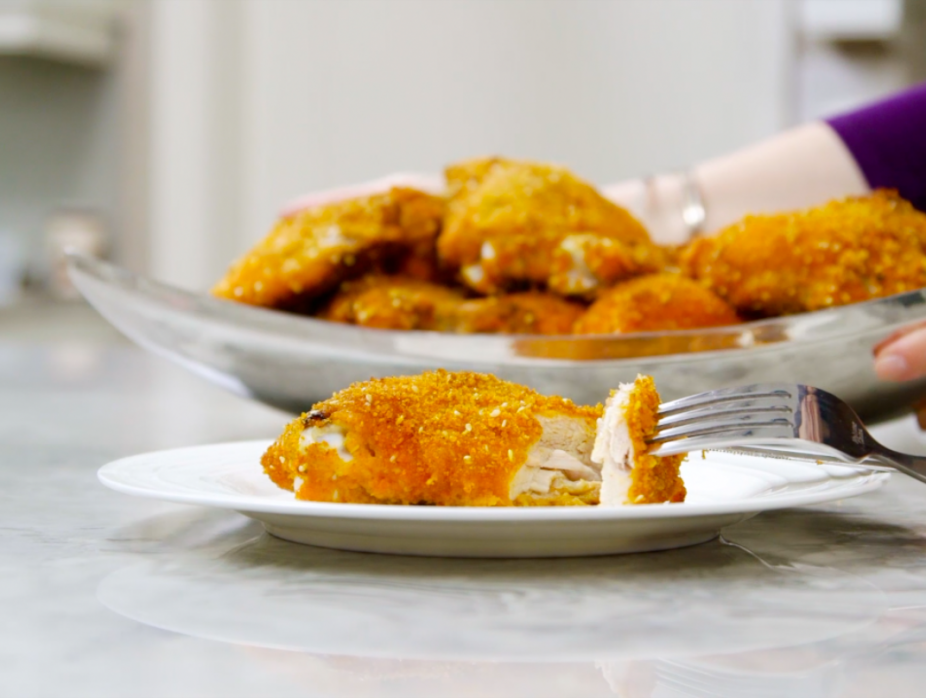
(512, 224)
(394, 302)
(402, 303)
(468, 439)
(653, 303)
(629, 474)
(845, 251)
(307, 254)
(530, 312)
(420, 263)
(456, 439)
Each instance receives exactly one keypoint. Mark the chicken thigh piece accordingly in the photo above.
(394, 302)
(529, 312)
(511, 224)
(843, 252)
(655, 303)
(403, 303)
(310, 252)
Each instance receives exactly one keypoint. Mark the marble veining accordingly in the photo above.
(110, 595)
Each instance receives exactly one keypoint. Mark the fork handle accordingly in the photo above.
(914, 466)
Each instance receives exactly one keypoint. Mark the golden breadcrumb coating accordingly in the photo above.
(845, 251)
(309, 253)
(394, 302)
(654, 303)
(513, 223)
(455, 439)
(402, 303)
(654, 479)
(530, 312)
(420, 263)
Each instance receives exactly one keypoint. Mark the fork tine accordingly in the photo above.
(708, 428)
(731, 438)
(780, 391)
(756, 406)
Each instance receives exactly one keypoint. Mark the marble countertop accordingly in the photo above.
(109, 595)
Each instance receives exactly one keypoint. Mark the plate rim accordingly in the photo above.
(863, 482)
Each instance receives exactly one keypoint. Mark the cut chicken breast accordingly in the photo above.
(459, 439)
(629, 474)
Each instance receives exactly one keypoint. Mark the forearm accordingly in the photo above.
(881, 145)
(802, 167)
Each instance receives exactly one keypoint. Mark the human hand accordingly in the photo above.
(431, 184)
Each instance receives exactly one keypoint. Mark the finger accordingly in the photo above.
(903, 331)
(431, 184)
(904, 358)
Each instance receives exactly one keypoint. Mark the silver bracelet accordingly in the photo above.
(694, 214)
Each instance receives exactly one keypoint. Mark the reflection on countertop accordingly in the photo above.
(109, 595)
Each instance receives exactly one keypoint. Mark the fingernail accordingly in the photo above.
(892, 367)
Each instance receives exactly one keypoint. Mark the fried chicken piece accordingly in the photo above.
(394, 302)
(511, 224)
(309, 253)
(439, 438)
(629, 474)
(421, 263)
(530, 312)
(465, 439)
(402, 303)
(653, 303)
(845, 251)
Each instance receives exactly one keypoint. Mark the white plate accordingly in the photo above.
(723, 489)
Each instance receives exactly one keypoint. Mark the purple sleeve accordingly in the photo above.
(888, 141)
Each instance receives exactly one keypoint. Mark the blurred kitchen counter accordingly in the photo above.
(37, 318)
(105, 594)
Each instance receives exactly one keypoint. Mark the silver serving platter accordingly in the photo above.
(290, 361)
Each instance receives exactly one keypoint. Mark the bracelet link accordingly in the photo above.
(694, 213)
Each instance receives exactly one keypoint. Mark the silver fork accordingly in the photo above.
(774, 419)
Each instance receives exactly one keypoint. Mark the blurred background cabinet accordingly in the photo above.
(81, 31)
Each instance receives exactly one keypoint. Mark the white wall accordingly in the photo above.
(255, 102)
(196, 93)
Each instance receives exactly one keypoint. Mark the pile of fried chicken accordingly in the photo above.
(529, 248)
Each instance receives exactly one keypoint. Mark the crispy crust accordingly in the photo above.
(654, 479)
(507, 221)
(653, 303)
(531, 312)
(843, 252)
(438, 438)
(394, 302)
(402, 303)
(308, 254)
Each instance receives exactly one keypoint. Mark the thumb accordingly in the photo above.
(904, 358)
